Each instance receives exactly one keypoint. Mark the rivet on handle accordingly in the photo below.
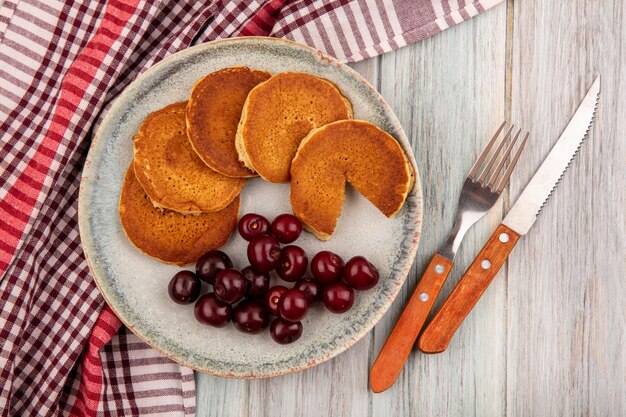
(439, 269)
(504, 237)
(485, 264)
(423, 297)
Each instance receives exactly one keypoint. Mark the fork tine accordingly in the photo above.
(484, 153)
(494, 156)
(509, 170)
(493, 177)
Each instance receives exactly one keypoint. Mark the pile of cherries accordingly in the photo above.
(250, 287)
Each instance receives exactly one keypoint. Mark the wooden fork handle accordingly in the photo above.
(400, 342)
(468, 290)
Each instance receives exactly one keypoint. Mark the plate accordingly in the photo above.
(135, 285)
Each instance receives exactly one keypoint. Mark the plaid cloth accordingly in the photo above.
(62, 352)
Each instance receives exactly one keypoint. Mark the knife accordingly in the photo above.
(517, 222)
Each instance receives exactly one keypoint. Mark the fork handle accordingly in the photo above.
(468, 290)
(400, 342)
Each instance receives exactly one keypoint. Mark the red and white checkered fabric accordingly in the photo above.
(62, 352)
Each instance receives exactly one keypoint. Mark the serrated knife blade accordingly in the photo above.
(524, 212)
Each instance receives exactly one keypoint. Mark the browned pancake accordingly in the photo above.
(213, 113)
(350, 150)
(170, 171)
(169, 236)
(278, 114)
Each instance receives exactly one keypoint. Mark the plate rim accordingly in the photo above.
(417, 188)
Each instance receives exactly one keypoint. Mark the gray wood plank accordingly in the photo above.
(335, 388)
(565, 342)
(448, 92)
(221, 397)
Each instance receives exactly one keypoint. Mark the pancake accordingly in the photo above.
(355, 151)
(170, 171)
(169, 236)
(213, 114)
(278, 114)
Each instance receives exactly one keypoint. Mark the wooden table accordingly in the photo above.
(547, 338)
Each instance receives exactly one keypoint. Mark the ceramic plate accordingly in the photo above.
(135, 285)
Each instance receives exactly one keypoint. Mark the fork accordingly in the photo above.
(479, 194)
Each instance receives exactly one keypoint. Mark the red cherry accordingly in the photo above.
(250, 317)
(211, 263)
(327, 267)
(230, 285)
(209, 310)
(273, 297)
(311, 288)
(286, 228)
(360, 273)
(264, 253)
(285, 332)
(293, 305)
(338, 297)
(258, 282)
(292, 264)
(252, 225)
(184, 288)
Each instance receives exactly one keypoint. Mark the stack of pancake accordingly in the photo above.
(180, 196)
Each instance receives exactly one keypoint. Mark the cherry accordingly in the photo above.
(209, 310)
(258, 282)
(230, 285)
(285, 332)
(286, 228)
(311, 288)
(338, 297)
(252, 225)
(211, 263)
(360, 273)
(264, 253)
(292, 264)
(184, 288)
(273, 297)
(327, 267)
(293, 305)
(250, 317)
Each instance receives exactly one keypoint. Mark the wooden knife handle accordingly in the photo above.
(468, 290)
(400, 342)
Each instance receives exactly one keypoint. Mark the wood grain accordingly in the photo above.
(399, 344)
(448, 92)
(468, 290)
(548, 336)
(566, 298)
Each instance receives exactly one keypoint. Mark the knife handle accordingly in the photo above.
(400, 342)
(468, 290)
